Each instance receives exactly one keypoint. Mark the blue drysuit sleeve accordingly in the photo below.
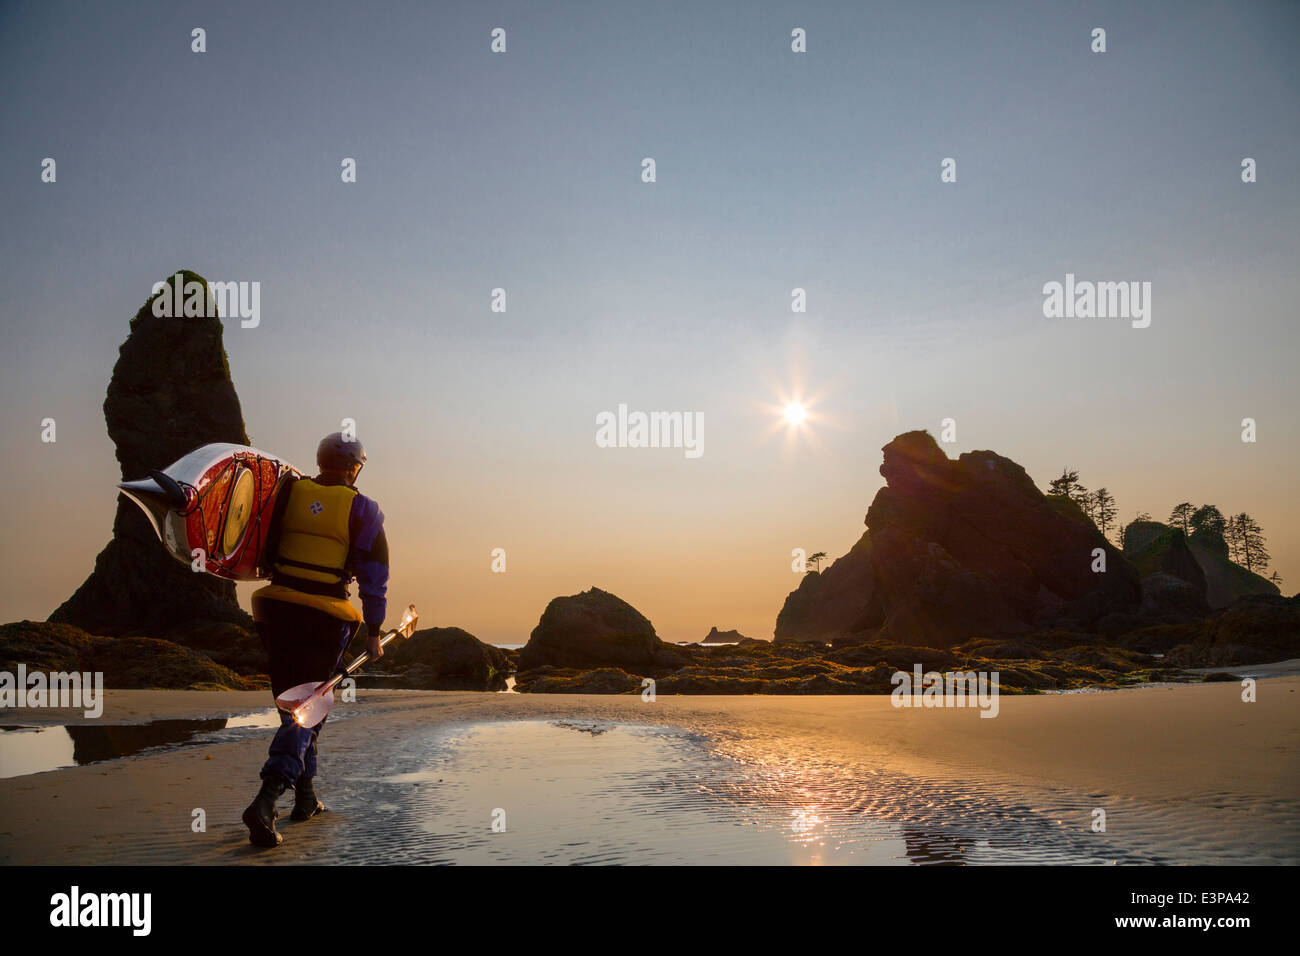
(369, 560)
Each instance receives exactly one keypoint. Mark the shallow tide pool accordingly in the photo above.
(582, 791)
(25, 750)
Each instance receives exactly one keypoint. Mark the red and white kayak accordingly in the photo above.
(218, 499)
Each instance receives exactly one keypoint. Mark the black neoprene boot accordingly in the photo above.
(261, 814)
(305, 803)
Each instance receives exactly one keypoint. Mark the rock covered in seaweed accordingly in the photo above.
(596, 629)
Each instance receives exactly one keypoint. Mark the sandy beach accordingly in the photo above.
(1185, 774)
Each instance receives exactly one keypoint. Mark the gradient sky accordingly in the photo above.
(775, 170)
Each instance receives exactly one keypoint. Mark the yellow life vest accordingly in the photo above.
(314, 537)
(313, 532)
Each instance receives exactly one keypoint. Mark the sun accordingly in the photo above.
(793, 415)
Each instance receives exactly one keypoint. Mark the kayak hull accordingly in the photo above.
(214, 504)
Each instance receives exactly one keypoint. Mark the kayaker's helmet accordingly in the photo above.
(336, 453)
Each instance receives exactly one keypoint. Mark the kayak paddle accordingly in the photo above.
(309, 703)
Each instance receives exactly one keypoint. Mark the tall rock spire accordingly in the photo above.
(170, 392)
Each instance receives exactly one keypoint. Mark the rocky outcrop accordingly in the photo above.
(148, 662)
(832, 602)
(956, 550)
(596, 629)
(1202, 561)
(1256, 629)
(1166, 599)
(1035, 661)
(778, 676)
(170, 392)
(1155, 548)
(1225, 580)
(43, 646)
(442, 658)
(558, 680)
(1173, 584)
(1041, 661)
(226, 643)
(126, 662)
(728, 637)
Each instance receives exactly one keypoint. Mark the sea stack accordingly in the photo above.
(597, 629)
(956, 550)
(170, 392)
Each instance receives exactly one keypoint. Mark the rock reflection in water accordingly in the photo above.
(25, 750)
(92, 742)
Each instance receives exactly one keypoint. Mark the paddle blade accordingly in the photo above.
(307, 710)
(407, 626)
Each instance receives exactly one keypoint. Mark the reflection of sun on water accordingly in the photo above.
(805, 822)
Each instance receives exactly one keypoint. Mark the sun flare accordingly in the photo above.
(793, 414)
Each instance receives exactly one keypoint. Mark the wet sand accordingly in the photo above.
(1185, 774)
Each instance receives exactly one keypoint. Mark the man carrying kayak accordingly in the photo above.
(323, 533)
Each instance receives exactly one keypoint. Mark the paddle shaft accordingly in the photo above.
(364, 656)
(319, 698)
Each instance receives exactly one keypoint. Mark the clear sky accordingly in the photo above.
(775, 170)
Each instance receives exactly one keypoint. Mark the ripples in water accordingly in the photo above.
(588, 792)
